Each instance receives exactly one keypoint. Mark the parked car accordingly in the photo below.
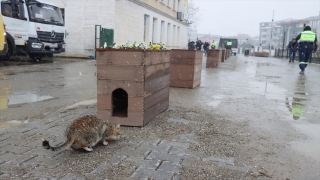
(3, 39)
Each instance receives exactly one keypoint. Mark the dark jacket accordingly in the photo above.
(206, 46)
(293, 46)
(198, 45)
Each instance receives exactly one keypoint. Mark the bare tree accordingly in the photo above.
(192, 19)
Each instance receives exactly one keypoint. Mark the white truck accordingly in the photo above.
(33, 28)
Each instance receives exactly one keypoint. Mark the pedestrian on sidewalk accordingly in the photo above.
(292, 50)
(213, 45)
(205, 48)
(308, 43)
(199, 44)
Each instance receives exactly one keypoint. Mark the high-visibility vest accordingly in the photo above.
(307, 36)
(229, 43)
(213, 44)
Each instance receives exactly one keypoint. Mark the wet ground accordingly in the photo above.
(252, 118)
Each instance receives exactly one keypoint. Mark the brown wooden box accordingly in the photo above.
(213, 58)
(132, 85)
(186, 66)
(223, 54)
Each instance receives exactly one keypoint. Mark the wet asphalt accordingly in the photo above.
(261, 91)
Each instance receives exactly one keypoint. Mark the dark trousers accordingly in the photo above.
(304, 54)
(292, 55)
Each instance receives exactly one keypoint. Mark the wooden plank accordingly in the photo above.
(156, 84)
(133, 88)
(157, 71)
(156, 97)
(155, 110)
(134, 73)
(181, 83)
(133, 119)
(119, 57)
(157, 56)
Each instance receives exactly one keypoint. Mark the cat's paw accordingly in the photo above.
(88, 149)
(105, 143)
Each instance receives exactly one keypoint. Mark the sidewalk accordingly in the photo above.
(237, 124)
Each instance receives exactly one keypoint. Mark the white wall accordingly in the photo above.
(129, 26)
(125, 17)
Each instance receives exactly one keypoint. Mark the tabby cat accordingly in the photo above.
(85, 133)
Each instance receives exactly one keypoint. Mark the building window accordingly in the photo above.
(174, 35)
(162, 31)
(178, 36)
(174, 5)
(154, 30)
(169, 34)
(146, 28)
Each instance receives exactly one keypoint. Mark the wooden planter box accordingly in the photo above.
(214, 58)
(185, 70)
(223, 54)
(133, 85)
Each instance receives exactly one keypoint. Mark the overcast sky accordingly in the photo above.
(230, 17)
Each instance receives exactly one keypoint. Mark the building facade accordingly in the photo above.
(132, 21)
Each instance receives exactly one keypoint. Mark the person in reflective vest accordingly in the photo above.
(213, 45)
(308, 44)
(229, 45)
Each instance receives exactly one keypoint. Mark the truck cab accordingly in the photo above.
(34, 28)
(233, 47)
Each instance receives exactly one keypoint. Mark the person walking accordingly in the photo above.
(292, 50)
(308, 43)
(213, 45)
(205, 48)
(199, 45)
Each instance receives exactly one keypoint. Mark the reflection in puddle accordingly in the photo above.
(22, 98)
(296, 106)
(269, 90)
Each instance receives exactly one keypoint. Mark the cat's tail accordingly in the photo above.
(64, 145)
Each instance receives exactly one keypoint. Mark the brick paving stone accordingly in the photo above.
(6, 136)
(143, 173)
(169, 166)
(14, 169)
(162, 175)
(45, 162)
(154, 163)
(14, 158)
(72, 176)
(164, 157)
(177, 151)
(38, 172)
(160, 148)
(117, 159)
(15, 149)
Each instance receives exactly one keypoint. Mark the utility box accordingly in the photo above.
(132, 85)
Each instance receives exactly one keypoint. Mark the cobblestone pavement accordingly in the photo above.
(230, 136)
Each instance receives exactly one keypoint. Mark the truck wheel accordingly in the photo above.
(36, 57)
(9, 53)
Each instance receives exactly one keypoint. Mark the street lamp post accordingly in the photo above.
(271, 35)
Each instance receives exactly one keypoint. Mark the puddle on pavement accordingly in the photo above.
(215, 101)
(12, 123)
(82, 103)
(21, 98)
(311, 146)
(270, 90)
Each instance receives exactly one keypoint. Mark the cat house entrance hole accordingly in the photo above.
(120, 103)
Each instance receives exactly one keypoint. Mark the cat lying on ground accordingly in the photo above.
(85, 133)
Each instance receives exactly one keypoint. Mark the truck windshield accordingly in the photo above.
(45, 13)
